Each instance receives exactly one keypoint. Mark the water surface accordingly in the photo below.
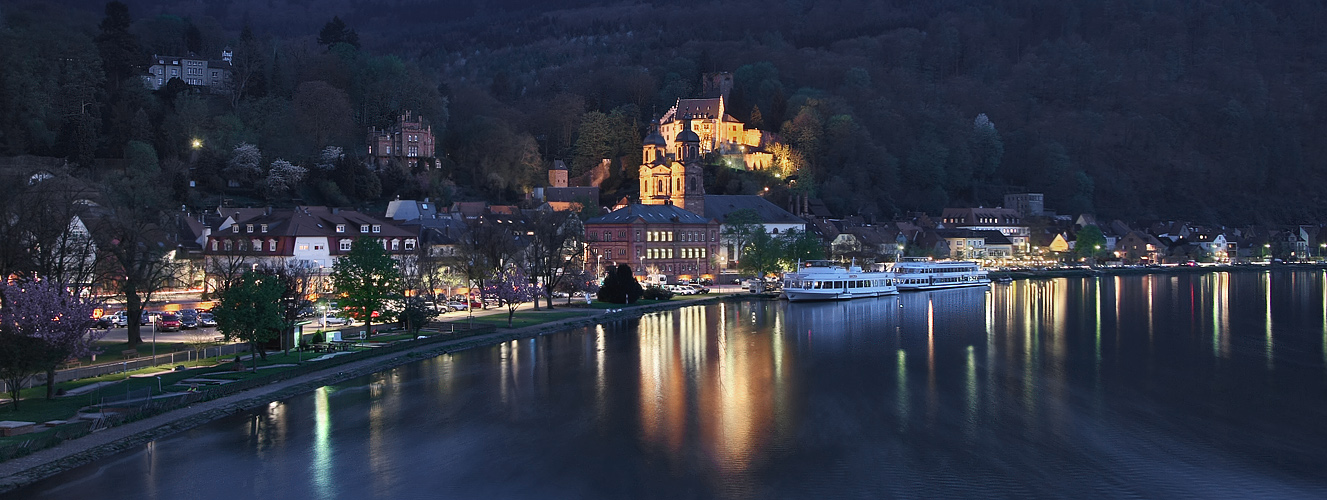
(1156, 386)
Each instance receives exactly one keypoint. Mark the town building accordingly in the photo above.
(409, 141)
(211, 74)
(1026, 204)
(1007, 221)
(300, 237)
(654, 239)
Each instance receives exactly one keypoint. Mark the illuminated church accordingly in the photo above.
(671, 172)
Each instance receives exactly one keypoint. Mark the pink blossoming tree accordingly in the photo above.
(59, 319)
(513, 288)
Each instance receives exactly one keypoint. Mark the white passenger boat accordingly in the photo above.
(826, 280)
(932, 275)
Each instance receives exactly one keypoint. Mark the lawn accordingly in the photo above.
(524, 318)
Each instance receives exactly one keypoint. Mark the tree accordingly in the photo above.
(557, 243)
(799, 246)
(19, 360)
(762, 255)
(139, 253)
(366, 278)
(282, 176)
(1091, 243)
(487, 246)
(246, 163)
(512, 287)
(297, 285)
(322, 111)
(119, 48)
(59, 318)
(335, 31)
(578, 281)
(250, 311)
(620, 286)
(739, 227)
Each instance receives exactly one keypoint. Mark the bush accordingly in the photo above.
(620, 286)
(657, 293)
(318, 338)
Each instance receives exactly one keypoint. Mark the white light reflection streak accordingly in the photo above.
(600, 386)
(322, 445)
(970, 423)
(902, 390)
(1267, 293)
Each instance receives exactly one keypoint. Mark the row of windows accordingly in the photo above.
(839, 285)
(363, 228)
(257, 245)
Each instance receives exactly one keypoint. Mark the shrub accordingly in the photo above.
(657, 293)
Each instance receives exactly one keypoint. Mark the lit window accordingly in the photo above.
(340, 228)
(304, 247)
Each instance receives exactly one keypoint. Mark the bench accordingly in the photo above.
(129, 354)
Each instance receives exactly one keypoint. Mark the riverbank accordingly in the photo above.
(73, 453)
(1133, 271)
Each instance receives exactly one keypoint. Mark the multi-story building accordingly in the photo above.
(1005, 220)
(408, 141)
(307, 237)
(211, 74)
(654, 239)
(1026, 204)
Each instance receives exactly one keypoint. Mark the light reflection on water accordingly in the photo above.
(1193, 385)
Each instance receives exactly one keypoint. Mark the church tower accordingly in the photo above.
(655, 176)
(688, 174)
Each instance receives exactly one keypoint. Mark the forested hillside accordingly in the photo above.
(1166, 108)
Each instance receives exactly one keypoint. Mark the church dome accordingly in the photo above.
(655, 139)
(687, 135)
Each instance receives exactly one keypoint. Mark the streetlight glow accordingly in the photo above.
(197, 143)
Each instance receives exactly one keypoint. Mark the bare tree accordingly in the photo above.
(488, 245)
(224, 269)
(298, 284)
(556, 246)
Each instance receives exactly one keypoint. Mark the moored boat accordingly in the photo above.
(933, 275)
(826, 280)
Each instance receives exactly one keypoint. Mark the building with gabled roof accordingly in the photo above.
(303, 236)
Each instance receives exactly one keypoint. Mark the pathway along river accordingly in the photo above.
(1155, 386)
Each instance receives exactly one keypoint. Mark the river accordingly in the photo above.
(1201, 385)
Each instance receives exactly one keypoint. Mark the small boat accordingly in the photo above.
(935, 275)
(827, 280)
(1004, 280)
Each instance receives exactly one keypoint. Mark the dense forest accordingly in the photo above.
(1205, 110)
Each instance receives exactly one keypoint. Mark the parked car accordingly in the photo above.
(105, 322)
(333, 320)
(457, 306)
(168, 322)
(700, 289)
(188, 319)
(206, 319)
